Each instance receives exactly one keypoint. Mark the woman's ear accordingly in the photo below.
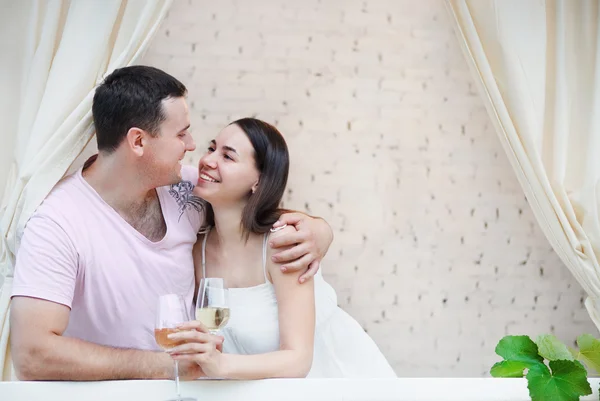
(255, 187)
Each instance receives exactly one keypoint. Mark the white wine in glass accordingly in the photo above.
(212, 305)
(213, 318)
(171, 312)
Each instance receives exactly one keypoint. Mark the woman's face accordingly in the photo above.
(228, 172)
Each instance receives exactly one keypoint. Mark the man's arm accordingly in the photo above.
(40, 352)
(309, 243)
(45, 276)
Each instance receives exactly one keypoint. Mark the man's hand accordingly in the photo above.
(309, 244)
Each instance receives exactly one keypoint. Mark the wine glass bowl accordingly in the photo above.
(212, 304)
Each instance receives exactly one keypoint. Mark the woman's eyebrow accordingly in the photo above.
(228, 148)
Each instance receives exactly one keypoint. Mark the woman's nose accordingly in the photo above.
(209, 161)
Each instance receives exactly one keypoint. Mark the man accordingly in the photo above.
(111, 238)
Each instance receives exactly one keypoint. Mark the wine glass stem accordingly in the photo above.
(177, 379)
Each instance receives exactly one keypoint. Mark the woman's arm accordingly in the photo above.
(296, 310)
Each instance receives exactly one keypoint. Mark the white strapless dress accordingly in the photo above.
(342, 349)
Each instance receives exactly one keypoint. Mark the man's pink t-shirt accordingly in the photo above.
(78, 251)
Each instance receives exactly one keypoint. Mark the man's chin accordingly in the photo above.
(174, 179)
(178, 172)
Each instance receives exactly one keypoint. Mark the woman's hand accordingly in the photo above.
(200, 347)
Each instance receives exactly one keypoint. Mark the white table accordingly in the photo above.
(409, 389)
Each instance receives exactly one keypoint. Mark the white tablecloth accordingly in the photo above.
(410, 389)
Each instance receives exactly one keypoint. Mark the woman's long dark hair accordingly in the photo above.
(273, 163)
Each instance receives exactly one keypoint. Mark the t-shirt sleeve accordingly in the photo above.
(47, 262)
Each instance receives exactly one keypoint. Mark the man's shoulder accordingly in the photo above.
(62, 201)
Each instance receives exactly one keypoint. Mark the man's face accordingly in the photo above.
(166, 151)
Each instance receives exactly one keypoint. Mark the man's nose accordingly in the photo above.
(190, 145)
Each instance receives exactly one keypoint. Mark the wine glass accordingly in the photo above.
(171, 312)
(212, 305)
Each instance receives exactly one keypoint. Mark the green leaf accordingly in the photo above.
(519, 348)
(574, 352)
(552, 349)
(566, 382)
(589, 351)
(509, 369)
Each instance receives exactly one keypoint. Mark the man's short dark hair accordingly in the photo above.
(131, 97)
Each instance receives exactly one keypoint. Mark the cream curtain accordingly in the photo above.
(53, 54)
(538, 65)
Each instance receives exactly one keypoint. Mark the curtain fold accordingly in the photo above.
(61, 50)
(538, 67)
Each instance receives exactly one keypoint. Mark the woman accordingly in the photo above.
(278, 327)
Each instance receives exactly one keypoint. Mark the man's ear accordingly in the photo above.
(136, 139)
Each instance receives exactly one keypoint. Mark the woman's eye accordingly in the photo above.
(227, 157)
(211, 149)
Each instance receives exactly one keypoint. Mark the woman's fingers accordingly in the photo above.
(196, 337)
(193, 325)
(197, 358)
(192, 348)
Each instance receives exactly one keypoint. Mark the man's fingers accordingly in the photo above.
(312, 270)
(289, 219)
(287, 239)
(290, 255)
(299, 264)
(278, 224)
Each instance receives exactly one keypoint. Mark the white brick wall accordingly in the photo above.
(436, 251)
